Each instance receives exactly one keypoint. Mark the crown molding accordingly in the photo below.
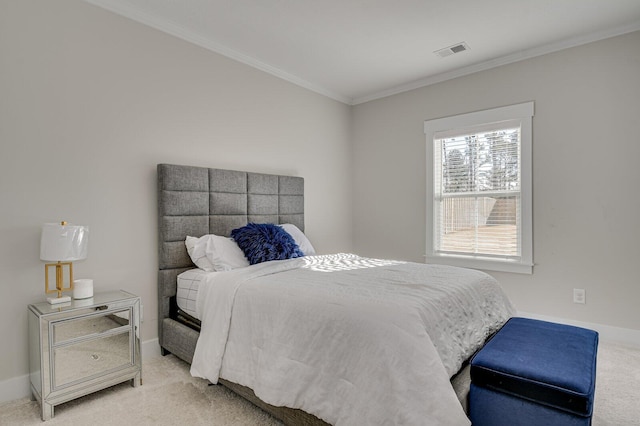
(126, 10)
(173, 29)
(504, 60)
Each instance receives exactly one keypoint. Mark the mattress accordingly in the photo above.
(189, 283)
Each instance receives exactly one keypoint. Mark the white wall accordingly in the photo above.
(586, 167)
(90, 102)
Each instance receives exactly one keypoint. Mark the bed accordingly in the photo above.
(196, 201)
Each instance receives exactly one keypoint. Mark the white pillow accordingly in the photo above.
(301, 240)
(197, 254)
(216, 253)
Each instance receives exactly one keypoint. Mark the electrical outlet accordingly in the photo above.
(579, 295)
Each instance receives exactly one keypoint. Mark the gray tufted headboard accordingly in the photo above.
(194, 201)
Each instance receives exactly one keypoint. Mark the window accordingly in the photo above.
(479, 189)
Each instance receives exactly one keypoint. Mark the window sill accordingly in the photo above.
(482, 263)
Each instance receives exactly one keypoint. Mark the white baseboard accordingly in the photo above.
(19, 387)
(14, 388)
(625, 336)
(150, 348)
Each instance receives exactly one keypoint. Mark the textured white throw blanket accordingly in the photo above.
(354, 341)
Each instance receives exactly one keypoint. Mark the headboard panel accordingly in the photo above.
(194, 201)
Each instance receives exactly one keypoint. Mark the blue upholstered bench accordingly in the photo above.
(534, 373)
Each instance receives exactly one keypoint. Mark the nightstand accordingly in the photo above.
(83, 346)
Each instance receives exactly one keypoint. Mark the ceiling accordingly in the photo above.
(358, 50)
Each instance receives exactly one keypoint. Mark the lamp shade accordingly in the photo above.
(63, 243)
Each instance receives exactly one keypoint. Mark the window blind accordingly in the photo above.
(477, 191)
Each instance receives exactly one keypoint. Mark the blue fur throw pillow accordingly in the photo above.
(261, 242)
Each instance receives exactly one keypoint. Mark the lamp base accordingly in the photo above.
(56, 300)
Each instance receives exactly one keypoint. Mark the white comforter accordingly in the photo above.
(353, 341)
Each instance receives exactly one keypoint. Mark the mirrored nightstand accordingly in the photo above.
(83, 346)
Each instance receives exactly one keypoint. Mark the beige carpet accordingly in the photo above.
(170, 396)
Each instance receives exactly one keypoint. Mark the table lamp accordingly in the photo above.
(62, 243)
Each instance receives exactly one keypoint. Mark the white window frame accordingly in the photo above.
(524, 113)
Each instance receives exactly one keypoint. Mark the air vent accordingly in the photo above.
(448, 51)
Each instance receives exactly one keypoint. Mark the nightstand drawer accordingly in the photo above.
(91, 358)
(69, 330)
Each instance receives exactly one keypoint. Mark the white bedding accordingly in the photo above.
(351, 340)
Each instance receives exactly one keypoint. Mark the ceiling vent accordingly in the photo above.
(448, 51)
